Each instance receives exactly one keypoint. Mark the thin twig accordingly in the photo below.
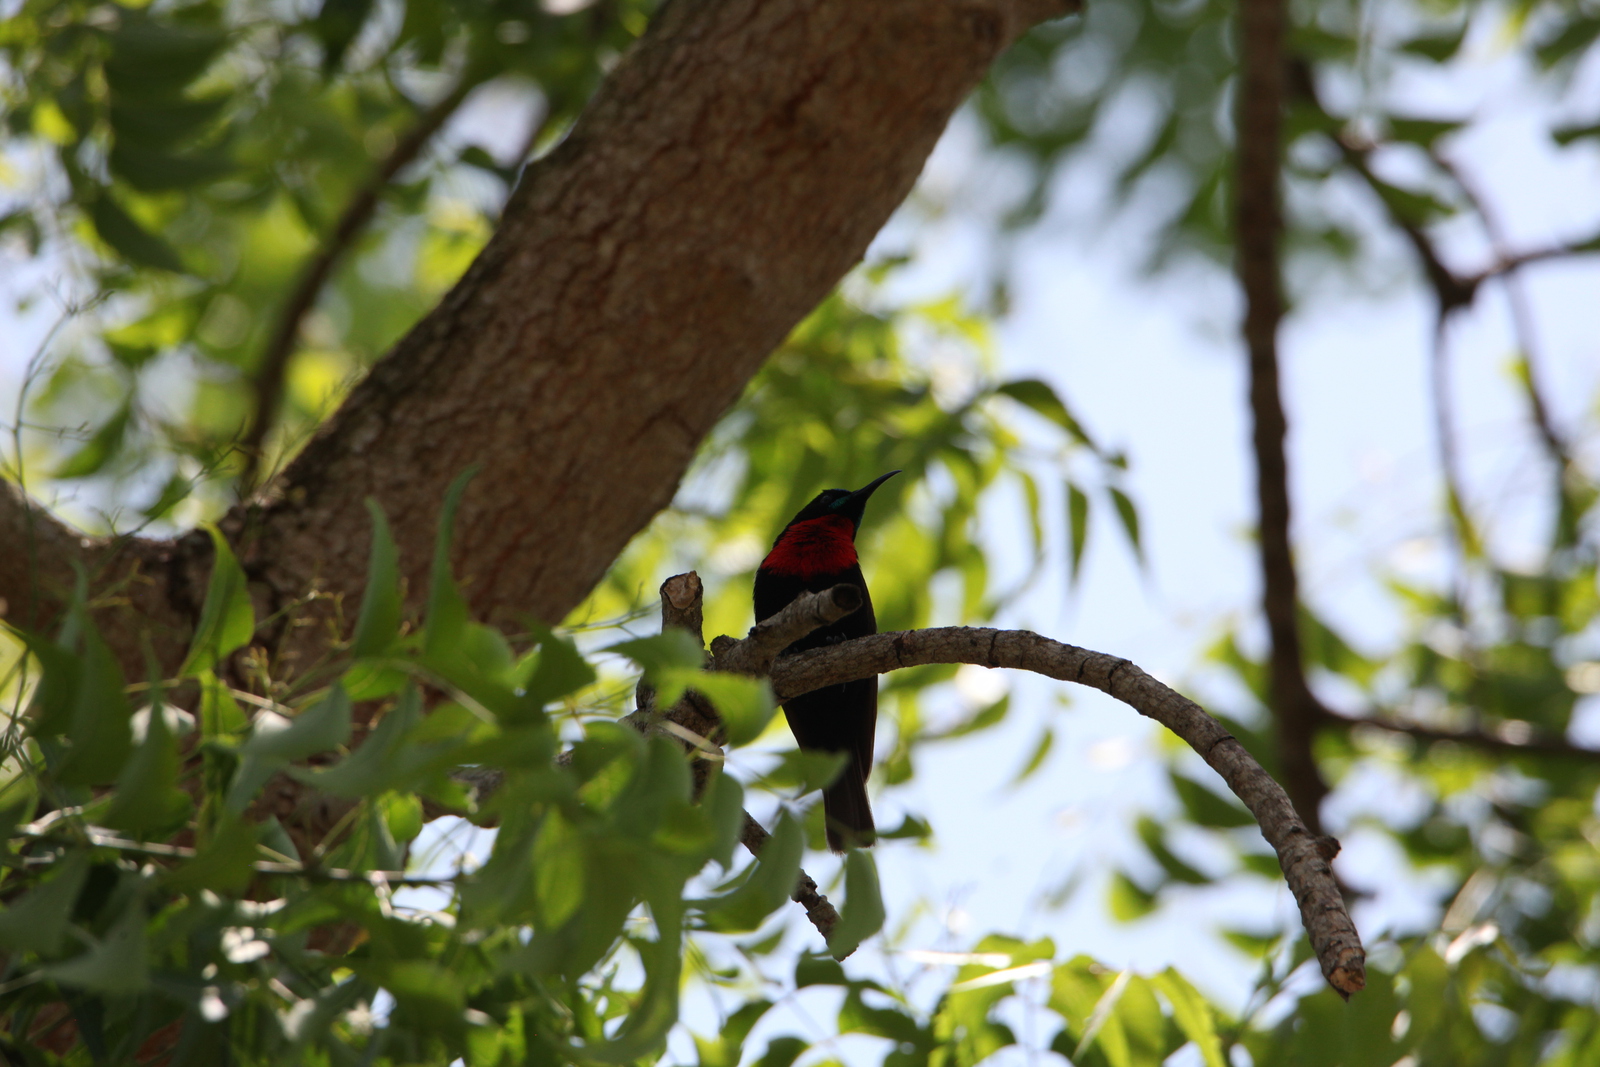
(269, 377)
(1258, 225)
(1521, 315)
(1302, 855)
(822, 914)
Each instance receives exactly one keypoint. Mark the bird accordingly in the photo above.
(817, 551)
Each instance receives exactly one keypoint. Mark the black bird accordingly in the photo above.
(815, 551)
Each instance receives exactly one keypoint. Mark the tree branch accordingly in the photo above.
(1510, 739)
(822, 914)
(770, 636)
(1302, 855)
(144, 591)
(1258, 225)
(268, 380)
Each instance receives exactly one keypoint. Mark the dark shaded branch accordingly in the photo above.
(681, 608)
(1302, 854)
(1258, 226)
(822, 914)
(268, 381)
(1510, 262)
(1509, 740)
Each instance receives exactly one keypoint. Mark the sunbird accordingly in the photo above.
(816, 551)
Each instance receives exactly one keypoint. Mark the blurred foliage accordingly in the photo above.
(1147, 86)
(177, 167)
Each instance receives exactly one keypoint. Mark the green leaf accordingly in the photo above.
(147, 799)
(558, 865)
(804, 772)
(862, 914)
(1043, 400)
(1153, 834)
(724, 801)
(1565, 135)
(95, 452)
(35, 921)
(782, 1052)
(116, 965)
(1574, 37)
(1422, 132)
(338, 24)
(1129, 517)
(558, 669)
(447, 617)
(130, 240)
(275, 742)
(1041, 752)
(220, 713)
(382, 761)
(744, 704)
(150, 57)
(402, 812)
(1438, 47)
(1206, 808)
(766, 884)
(1077, 526)
(672, 653)
(1127, 901)
(982, 719)
(227, 619)
(161, 124)
(378, 624)
(1192, 1014)
(224, 863)
(151, 170)
(81, 697)
(911, 828)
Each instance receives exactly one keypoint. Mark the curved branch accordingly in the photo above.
(1508, 740)
(1302, 855)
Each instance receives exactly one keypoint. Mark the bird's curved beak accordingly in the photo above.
(868, 489)
(858, 499)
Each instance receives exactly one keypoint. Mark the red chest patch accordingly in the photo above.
(824, 545)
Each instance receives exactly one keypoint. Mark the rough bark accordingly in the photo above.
(728, 173)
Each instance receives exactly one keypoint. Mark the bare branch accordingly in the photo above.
(1510, 739)
(682, 607)
(1510, 262)
(770, 636)
(1301, 854)
(1258, 227)
(822, 914)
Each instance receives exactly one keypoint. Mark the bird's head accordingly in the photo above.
(841, 502)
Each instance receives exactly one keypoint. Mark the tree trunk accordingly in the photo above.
(728, 173)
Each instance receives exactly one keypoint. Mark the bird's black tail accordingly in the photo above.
(848, 813)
